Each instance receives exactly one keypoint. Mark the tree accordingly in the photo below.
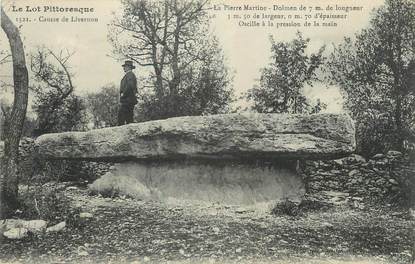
(103, 106)
(13, 131)
(281, 82)
(5, 106)
(171, 38)
(376, 72)
(57, 108)
(204, 89)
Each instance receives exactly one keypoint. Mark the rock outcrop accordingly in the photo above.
(258, 136)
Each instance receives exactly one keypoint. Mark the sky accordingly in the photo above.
(247, 48)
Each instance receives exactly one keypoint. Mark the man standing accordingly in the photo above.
(128, 90)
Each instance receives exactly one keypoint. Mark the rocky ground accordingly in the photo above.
(123, 230)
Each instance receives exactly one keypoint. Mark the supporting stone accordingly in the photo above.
(225, 182)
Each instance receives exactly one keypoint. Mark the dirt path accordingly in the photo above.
(126, 231)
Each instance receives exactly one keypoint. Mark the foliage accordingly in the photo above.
(285, 207)
(281, 82)
(49, 203)
(103, 106)
(202, 91)
(57, 108)
(187, 74)
(376, 71)
(57, 115)
(57, 170)
(29, 126)
(375, 132)
(403, 171)
(295, 209)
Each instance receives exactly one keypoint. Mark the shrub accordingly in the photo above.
(286, 207)
(49, 204)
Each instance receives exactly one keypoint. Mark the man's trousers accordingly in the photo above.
(125, 114)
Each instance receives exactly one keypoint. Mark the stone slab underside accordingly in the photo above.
(227, 136)
(233, 183)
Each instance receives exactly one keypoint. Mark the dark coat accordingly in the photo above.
(128, 89)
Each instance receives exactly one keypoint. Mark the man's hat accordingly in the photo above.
(129, 63)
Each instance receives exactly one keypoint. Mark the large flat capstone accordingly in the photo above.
(227, 136)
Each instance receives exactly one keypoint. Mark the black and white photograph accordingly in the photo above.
(207, 131)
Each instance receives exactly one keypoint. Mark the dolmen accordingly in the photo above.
(240, 159)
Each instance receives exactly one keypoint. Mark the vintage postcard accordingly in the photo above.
(207, 131)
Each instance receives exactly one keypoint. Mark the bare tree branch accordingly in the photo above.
(62, 61)
(5, 59)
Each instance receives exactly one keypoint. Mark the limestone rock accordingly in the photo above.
(35, 226)
(339, 162)
(394, 153)
(353, 173)
(412, 213)
(327, 224)
(86, 215)
(378, 156)
(393, 181)
(216, 136)
(8, 224)
(359, 158)
(82, 251)
(16, 233)
(56, 228)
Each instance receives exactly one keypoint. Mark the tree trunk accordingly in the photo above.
(175, 81)
(398, 80)
(13, 132)
(398, 121)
